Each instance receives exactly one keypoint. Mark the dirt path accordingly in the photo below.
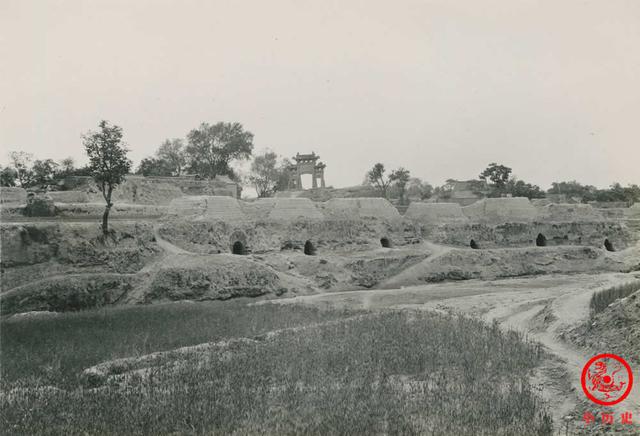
(167, 246)
(540, 307)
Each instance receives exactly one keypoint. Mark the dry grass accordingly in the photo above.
(601, 300)
(386, 373)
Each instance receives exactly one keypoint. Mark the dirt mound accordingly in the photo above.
(294, 208)
(436, 213)
(569, 213)
(31, 251)
(360, 208)
(258, 209)
(262, 236)
(458, 264)
(212, 277)
(501, 210)
(207, 208)
(69, 196)
(68, 293)
(615, 330)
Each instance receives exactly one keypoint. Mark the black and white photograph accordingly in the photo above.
(296, 217)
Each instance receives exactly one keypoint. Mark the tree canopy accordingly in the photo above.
(400, 178)
(497, 174)
(211, 148)
(377, 178)
(108, 162)
(268, 175)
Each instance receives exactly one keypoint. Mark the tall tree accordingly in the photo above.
(108, 162)
(400, 178)
(497, 174)
(211, 148)
(8, 176)
(22, 164)
(44, 171)
(67, 167)
(152, 166)
(172, 152)
(376, 177)
(265, 174)
(418, 188)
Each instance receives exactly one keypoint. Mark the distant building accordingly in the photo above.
(306, 164)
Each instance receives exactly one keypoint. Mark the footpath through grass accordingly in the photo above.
(386, 373)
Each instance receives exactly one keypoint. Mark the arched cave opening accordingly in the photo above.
(541, 240)
(473, 244)
(608, 245)
(238, 248)
(309, 248)
(385, 242)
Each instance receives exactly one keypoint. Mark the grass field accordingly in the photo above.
(602, 299)
(390, 372)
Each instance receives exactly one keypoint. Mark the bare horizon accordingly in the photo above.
(441, 88)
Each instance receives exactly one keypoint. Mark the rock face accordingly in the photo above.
(68, 293)
(267, 235)
(525, 234)
(459, 264)
(212, 278)
(33, 251)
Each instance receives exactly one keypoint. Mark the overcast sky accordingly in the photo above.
(440, 87)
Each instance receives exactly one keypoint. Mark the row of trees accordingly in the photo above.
(500, 182)
(26, 171)
(616, 192)
(207, 151)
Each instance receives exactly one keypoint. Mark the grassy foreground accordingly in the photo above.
(391, 372)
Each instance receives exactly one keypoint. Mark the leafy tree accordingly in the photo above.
(173, 154)
(266, 174)
(22, 165)
(376, 177)
(211, 148)
(44, 171)
(400, 178)
(497, 174)
(108, 162)
(571, 189)
(152, 166)
(445, 191)
(632, 193)
(66, 167)
(8, 176)
(519, 188)
(416, 188)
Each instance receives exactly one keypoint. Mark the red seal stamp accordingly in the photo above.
(607, 379)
